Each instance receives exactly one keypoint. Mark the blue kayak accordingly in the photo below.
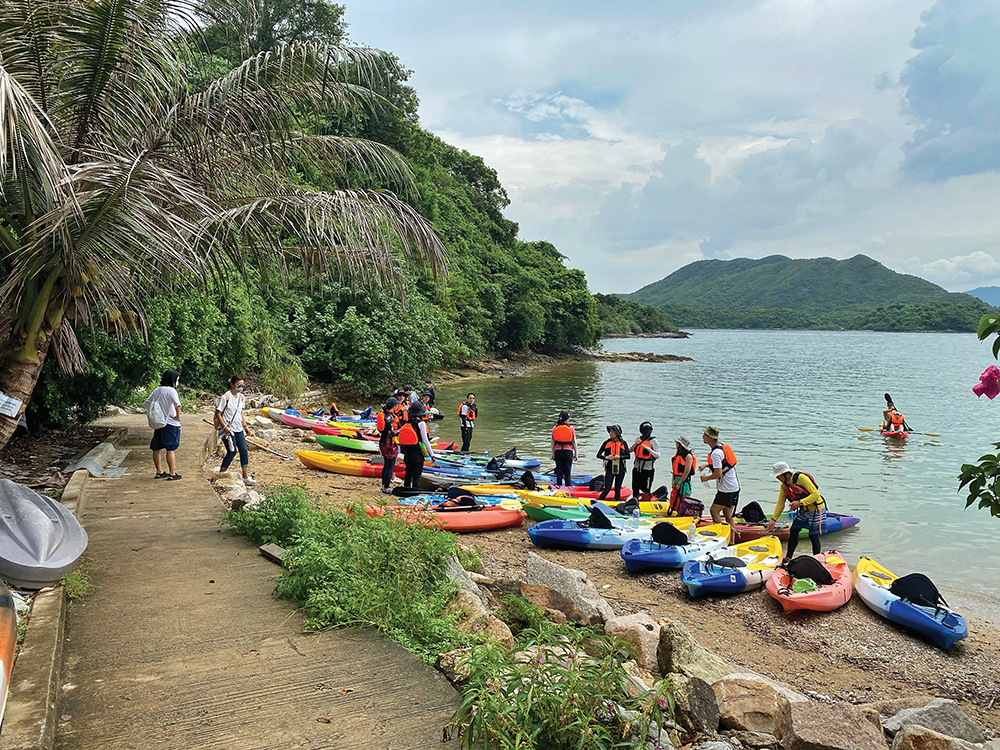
(830, 523)
(435, 500)
(646, 554)
(580, 535)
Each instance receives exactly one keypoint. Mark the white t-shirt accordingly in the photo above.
(166, 396)
(231, 408)
(728, 482)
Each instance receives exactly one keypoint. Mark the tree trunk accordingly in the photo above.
(18, 379)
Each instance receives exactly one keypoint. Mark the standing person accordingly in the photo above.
(386, 422)
(428, 388)
(563, 449)
(682, 468)
(799, 488)
(168, 437)
(232, 426)
(645, 449)
(615, 453)
(722, 462)
(467, 413)
(410, 395)
(415, 443)
(427, 399)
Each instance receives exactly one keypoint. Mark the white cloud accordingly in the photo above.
(961, 271)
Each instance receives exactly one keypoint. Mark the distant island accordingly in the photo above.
(988, 294)
(814, 293)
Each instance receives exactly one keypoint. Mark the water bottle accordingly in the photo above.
(691, 532)
(635, 518)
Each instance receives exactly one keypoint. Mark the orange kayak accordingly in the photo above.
(460, 520)
(823, 599)
(8, 642)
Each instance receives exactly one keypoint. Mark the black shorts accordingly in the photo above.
(726, 499)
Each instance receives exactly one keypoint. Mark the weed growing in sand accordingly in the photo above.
(78, 584)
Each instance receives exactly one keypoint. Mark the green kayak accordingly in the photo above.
(339, 442)
(562, 512)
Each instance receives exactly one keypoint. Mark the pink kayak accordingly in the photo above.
(825, 598)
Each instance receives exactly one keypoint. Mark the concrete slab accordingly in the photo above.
(184, 646)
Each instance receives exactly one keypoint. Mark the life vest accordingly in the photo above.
(380, 421)
(680, 462)
(728, 457)
(644, 451)
(795, 491)
(563, 434)
(408, 435)
(614, 450)
(470, 413)
(897, 420)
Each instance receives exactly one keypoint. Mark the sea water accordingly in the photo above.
(794, 396)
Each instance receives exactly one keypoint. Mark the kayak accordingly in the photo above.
(300, 421)
(744, 567)
(8, 642)
(823, 599)
(335, 428)
(433, 501)
(458, 520)
(543, 493)
(894, 434)
(646, 554)
(352, 466)
(341, 442)
(485, 458)
(581, 535)
(831, 524)
(940, 625)
(561, 497)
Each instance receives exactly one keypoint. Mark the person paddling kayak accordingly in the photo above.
(799, 488)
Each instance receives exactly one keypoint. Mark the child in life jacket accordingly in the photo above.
(616, 454)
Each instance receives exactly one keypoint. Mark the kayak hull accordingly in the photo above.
(894, 434)
(8, 642)
(705, 576)
(576, 535)
(340, 442)
(346, 465)
(459, 521)
(823, 599)
(645, 554)
(942, 626)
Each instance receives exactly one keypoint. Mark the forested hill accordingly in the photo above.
(988, 294)
(780, 292)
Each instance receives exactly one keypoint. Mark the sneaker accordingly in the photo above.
(249, 480)
(385, 491)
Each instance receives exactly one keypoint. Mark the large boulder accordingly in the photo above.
(753, 739)
(468, 612)
(751, 705)
(916, 737)
(829, 726)
(573, 584)
(458, 575)
(678, 651)
(498, 630)
(247, 500)
(696, 708)
(941, 715)
(558, 608)
(642, 632)
(892, 706)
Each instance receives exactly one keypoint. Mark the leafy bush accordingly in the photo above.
(982, 480)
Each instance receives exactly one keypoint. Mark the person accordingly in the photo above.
(167, 438)
(410, 396)
(615, 453)
(415, 444)
(386, 422)
(892, 419)
(682, 468)
(428, 388)
(646, 450)
(563, 448)
(427, 399)
(232, 427)
(799, 489)
(467, 413)
(722, 466)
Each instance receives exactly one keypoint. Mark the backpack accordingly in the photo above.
(668, 534)
(808, 567)
(154, 415)
(596, 484)
(917, 589)
(753, 513)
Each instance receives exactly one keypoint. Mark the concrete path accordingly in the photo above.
(184, 646)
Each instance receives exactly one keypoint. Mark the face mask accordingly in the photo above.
(239, 389)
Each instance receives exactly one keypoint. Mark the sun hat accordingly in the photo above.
(780, 468)
(712, 432)
(681, 440)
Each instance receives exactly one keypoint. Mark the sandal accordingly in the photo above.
(173, 477)
(161, 475)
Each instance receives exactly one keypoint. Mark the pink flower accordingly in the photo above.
(989, 383)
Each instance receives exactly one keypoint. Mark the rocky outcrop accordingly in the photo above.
(678, 651)
(468, 612)
(750, 705)
(451, 665)
(458, 575)
(940, 715)
(916, 737)
(642, 632)
(558, 608)
(829, 726)
(571, 583)
(696, 708)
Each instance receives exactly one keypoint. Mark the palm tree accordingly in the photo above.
(118, 181)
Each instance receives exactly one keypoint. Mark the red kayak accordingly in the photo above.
(894, 434)
(459, 520)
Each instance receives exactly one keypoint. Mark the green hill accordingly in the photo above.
(779, 292)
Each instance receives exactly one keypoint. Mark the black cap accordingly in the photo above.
(407, 388)
(646, 428)
(391, 401)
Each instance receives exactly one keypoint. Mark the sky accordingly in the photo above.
(638, 137)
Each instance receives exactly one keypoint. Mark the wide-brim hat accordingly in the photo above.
(681, 440)
(712, 432)
(780, 468)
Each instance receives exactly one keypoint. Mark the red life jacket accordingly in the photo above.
(795, 491)
(680, 462)
(644, 451)
(728, 457)
(563, 434)
(408, 435)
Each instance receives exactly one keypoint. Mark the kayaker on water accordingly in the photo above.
(646, 450)
(892, 419)
(467, 413)
(415, 444)
(682, 468)
(232, 427)
(722, 463)
(615, 453)
(563, 449)
(799, 488)
(387, 422)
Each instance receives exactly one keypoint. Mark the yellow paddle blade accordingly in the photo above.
(866, 429)
(931, 434)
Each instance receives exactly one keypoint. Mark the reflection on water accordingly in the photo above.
(795, 396)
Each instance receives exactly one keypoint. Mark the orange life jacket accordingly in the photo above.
(470, 413)
(563, 434)
(728, 457)
(644, 451)
(614, 450)
(680, 462)
(408, 435)
(897, 420)
(380, 421)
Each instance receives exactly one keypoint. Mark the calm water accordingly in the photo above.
(795, 396)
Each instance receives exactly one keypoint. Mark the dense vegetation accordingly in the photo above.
(618, 315)
(817, 293)
(981, 480)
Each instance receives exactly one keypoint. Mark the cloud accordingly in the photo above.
(952, 89)
(961, 271)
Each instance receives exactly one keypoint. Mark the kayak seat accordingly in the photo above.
(598, 520)
(808, 567)
(728, 562)
(753, 513)
(918, 589)
(669, 535)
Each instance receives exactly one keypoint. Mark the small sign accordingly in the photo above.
(10, 406)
